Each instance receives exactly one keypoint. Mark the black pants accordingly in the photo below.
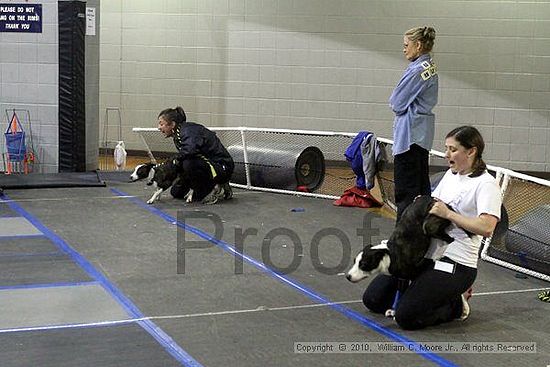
(411, 176)
(196, 173)
(432, 298)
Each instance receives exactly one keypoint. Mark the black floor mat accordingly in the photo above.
(50, 180)
(115, 176)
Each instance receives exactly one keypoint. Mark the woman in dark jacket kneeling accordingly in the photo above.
(205, 165)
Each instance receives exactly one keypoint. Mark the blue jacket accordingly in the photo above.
(364, 153)
(412, 101)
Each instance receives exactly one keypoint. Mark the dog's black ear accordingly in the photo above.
(430, 225)
(447, 238)
(434, 226)
(146, 167)
(371, 259)
(418, 209)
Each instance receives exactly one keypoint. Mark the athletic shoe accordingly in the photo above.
(227, 191)
(465, 306)
(214, 195)
(544, 296)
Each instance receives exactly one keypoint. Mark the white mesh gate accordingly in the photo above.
(246, 144)
(525, 247)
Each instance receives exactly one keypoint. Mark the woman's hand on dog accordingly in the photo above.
(483, 225)
(440, 209)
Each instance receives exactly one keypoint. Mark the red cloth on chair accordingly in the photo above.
(355, 196)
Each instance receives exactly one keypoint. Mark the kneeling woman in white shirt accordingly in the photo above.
(438, 294)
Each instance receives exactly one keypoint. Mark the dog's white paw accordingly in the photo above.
(390, 312)
(189, 196)
(155, 197)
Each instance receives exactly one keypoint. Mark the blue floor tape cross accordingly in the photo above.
(356, 316)
(158, 334)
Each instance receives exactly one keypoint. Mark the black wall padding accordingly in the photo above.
(72, 113)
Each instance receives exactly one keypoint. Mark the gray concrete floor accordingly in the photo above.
(223, 309)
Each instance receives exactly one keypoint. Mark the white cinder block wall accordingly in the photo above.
(29, 82)
(330, 65)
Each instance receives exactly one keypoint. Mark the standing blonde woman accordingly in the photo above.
(412, 101)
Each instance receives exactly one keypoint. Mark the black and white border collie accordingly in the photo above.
(162, 176)
(403, 254)
(370, 261)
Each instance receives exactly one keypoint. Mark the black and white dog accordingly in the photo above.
(403, 254)
(162, 176)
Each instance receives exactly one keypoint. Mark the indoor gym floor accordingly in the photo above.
(88, 277)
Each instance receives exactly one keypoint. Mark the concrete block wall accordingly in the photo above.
(330, 65)
(29, 81)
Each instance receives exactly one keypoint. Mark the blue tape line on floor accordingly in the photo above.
(311, 294)
(170, 346)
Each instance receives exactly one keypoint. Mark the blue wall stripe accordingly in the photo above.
(170, 346)
(292, 283)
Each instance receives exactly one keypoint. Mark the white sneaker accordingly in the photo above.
(390, 313)
(465, 306)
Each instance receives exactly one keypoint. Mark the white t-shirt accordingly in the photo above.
(471, 197)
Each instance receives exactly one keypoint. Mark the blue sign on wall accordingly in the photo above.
(21, 18)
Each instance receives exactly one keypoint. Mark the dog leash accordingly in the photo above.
(402, 285)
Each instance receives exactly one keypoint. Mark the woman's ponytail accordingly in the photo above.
(181, 114)
(173, 115)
